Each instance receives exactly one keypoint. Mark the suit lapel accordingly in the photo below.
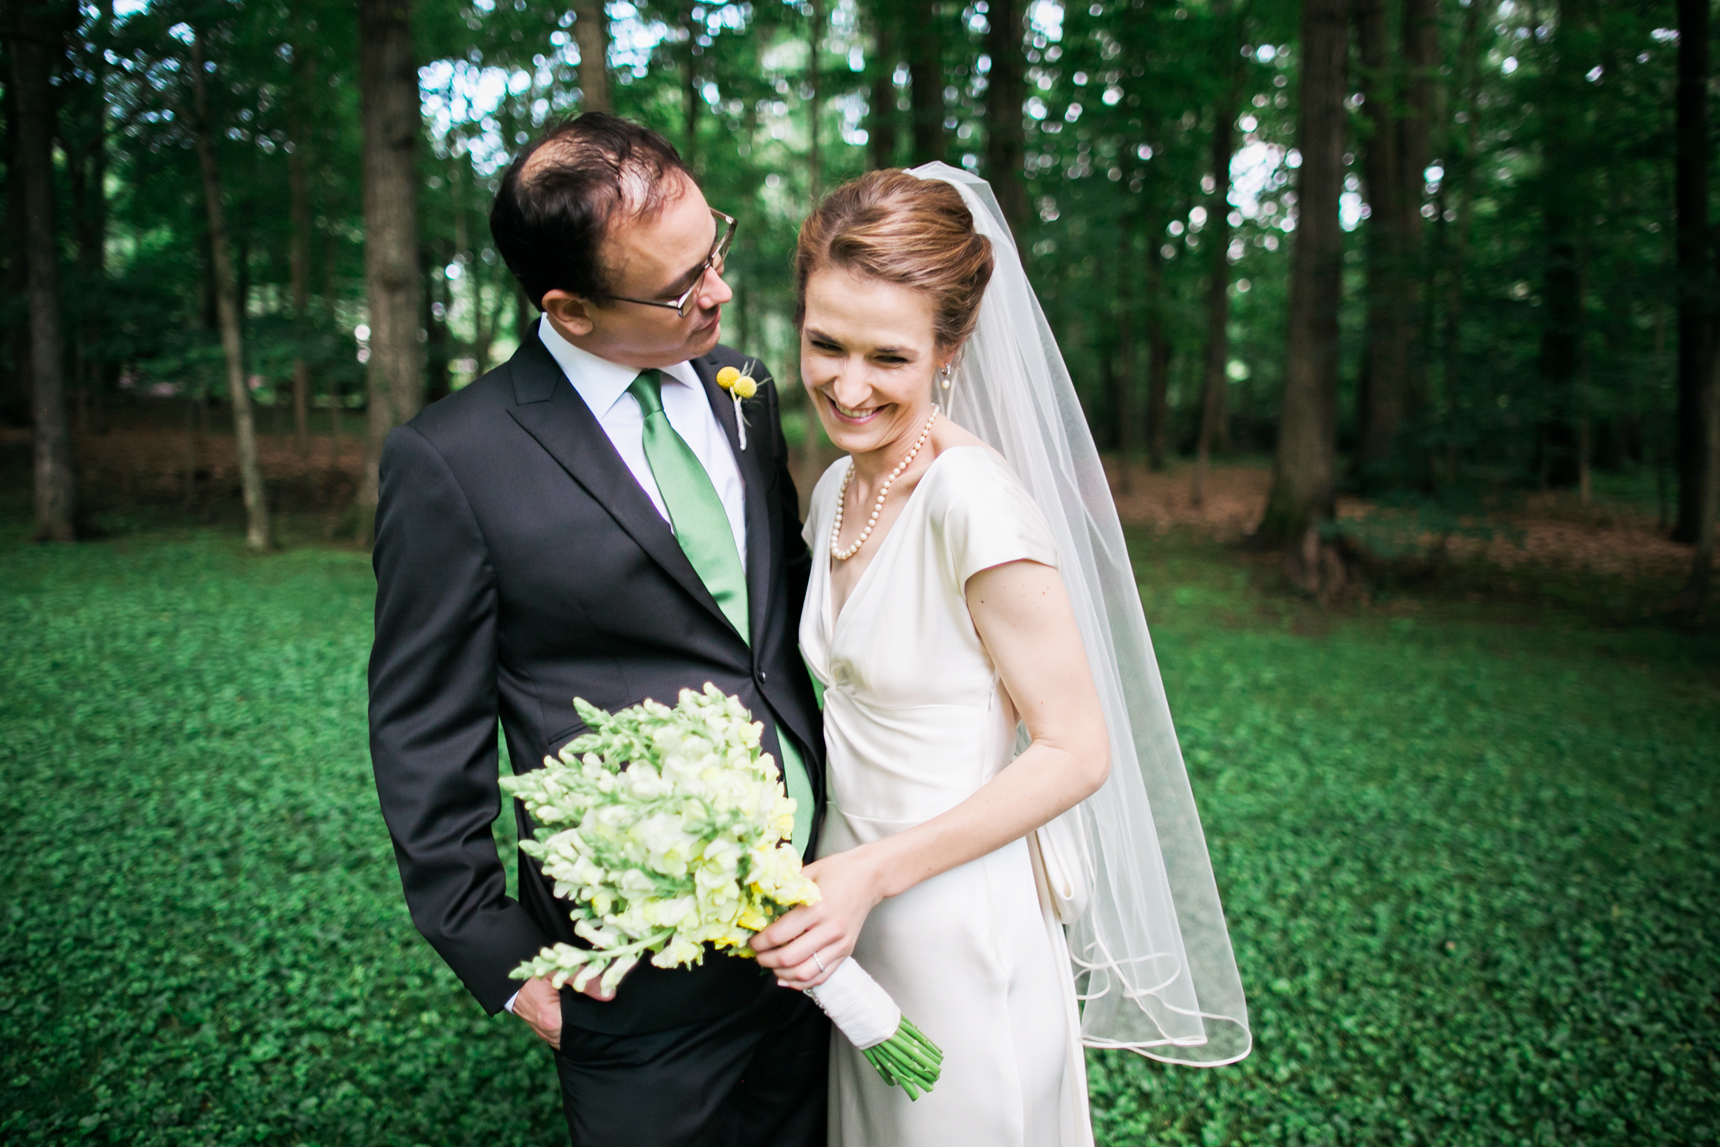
(549, 409)
(753, 480)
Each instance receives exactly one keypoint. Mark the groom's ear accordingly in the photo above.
(568, 312)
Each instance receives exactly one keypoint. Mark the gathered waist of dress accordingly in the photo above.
(907, 764)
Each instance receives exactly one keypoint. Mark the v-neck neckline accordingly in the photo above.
(831, 616)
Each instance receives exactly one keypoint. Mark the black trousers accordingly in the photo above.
(758, 1076)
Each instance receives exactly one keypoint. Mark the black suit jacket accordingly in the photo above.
(518, 565)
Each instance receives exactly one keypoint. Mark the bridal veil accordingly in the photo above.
(1128, 867)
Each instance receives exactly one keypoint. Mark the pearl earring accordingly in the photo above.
(945, 372)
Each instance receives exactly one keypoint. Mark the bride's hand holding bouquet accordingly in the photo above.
(668, 832)
(804, 947)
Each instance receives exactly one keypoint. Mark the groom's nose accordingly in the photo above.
(714, 292)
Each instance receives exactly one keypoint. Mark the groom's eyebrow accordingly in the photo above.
(686, 280)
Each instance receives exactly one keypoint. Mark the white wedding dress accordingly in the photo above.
(915, 721)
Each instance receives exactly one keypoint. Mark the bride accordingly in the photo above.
(1011, 849)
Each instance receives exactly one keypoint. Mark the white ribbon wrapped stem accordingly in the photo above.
(863, 1011)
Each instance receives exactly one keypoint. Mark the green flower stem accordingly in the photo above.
(910, 1058)
(907, 1060)
(921, 1041)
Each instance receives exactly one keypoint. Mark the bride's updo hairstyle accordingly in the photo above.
(896, 227)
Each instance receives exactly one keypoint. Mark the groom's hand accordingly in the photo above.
(539, 1004)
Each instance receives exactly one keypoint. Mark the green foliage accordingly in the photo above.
(1547, 144)
(204, 938)
(1469, 869)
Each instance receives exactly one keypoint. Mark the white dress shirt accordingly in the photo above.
(603, 385)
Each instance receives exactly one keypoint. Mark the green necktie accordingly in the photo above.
(701, 527)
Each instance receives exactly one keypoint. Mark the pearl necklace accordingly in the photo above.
(843, 555)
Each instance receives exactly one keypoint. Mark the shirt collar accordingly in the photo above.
(601, 383)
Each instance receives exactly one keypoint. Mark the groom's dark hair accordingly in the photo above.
(560, 194)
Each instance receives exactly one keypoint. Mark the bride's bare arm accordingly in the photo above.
(1023, 616)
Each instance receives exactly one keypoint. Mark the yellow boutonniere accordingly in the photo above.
(740, 386)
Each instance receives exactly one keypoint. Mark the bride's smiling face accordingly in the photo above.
(868, 357)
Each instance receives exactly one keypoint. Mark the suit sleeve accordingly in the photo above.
(433, 718)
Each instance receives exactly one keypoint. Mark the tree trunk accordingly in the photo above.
(89, 184)
(388, 93)
(810, 445)
(257, 536)
(1214, 407)
(814, 102)
(1302, 492)
(1564, 203)
(55, 483)
(1708, 505)
(1460, 169)
(926, 87)
(591, 33)
(1695, 309)
(298, 255)
(1385, 354)
(881, 114)
(691, 97)
(14, 400)
(1420, 39)
(1005, 93)
(436, 353)
(1158, 355)
(1125, 393)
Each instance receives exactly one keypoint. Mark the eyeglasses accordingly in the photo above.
(725, 236)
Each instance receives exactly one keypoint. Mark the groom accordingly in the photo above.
(584, 521)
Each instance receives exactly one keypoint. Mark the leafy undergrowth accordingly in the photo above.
(1468, 856)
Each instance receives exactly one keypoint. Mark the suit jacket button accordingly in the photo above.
(763, 676)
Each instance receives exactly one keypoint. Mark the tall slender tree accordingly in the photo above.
(1303, 493)
(1564, 198)
(1158, 355)
(1386, 351)
(692, 97)
(388, 92)
(32, 35)
(1005, 93)
(816, 27)
(1695, 287)
(591, 33)
(881, 112)
(1419, 38)
(810, 442)
(1215, 407)
(227, 303)
(1457, 192)
(14, 382)
(298, 244)
(87, 171)
(1708, 504)
(926, 80)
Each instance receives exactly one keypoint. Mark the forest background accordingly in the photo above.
(1432, 252)
(1393, 319)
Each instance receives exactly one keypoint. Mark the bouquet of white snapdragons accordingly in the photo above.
(667, 830)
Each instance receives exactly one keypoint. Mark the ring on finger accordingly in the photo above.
(817, 961)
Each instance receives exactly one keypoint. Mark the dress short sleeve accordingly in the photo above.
(982, 516)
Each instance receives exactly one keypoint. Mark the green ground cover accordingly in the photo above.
(1468, 853)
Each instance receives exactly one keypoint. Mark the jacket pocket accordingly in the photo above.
(558, 741)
